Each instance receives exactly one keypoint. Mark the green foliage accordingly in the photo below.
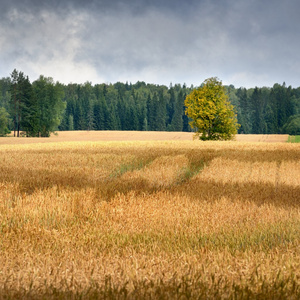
(138, 106)
(177, 120)
(212, 115)
(30, 110)
(5, 92)
(49, 104)
(244, 110)
(292, 126)
(35, 108)
(4, 122)
(71, 122)
(19, 96)
(161, 112)
(257, 103)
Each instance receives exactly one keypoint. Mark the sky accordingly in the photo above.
(246, 43)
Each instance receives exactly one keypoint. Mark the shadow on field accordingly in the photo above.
(259, 193)
(259, 155)
(29, 180)
(189, 286)
(281, 195)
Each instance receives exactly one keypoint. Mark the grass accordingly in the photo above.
(147, 220)
(294, 139)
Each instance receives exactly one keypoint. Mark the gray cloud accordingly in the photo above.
(245, 43)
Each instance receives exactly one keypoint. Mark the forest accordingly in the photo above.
(44, 106)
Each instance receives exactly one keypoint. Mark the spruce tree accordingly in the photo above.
(161, 113)
(4, 117)
(257, 103)
(177, 120)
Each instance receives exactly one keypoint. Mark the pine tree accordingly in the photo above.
(171, 105)
(244, 112)
(71, 123)
(22, 104)
(15, 100)
(151, 111)
(112, 123)
(177, 120)
(30, 109)
(4, 116)
(49, 97)
(161, 113)
(257, 103)
(101, 114)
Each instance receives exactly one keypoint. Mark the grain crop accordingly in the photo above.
(150, 220)
(107, 135)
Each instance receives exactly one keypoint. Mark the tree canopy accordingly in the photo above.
(35, 108)
(292, 126)
(44, 106)
(3, 122)
(212, 115)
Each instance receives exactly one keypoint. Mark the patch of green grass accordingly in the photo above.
(192, 170)
(294, 139)
(128, 167)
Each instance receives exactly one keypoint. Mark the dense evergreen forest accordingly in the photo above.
(44, 106)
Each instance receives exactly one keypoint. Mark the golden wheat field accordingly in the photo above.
(176, 219)
(94, 136)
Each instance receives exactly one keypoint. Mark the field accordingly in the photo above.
(157, 219)
(95, 136)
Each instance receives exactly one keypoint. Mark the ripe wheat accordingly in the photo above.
(131, 220)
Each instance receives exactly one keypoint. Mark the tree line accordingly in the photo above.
(35, 109)
(44, 106)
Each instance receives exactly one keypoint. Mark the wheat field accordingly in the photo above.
(173, 219)
(107, 135)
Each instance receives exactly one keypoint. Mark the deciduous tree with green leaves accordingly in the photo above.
(292, 126)
(3, 122)
(50, 105)
(212, 115)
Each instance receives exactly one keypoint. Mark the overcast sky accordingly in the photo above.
(243, 42)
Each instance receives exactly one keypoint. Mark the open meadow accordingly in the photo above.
(167, 218)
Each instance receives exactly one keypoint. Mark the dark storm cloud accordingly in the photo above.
(242, 42)
(106, 6)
